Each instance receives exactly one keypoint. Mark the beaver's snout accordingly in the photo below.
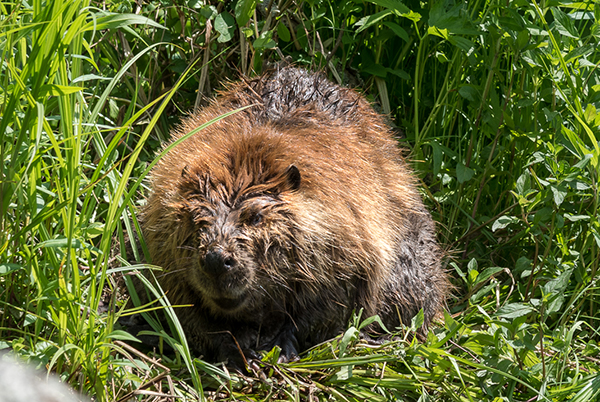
(217, 262)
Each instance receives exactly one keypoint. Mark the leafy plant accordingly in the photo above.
(497, 103)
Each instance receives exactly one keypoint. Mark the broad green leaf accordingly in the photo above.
(487, 273)
(350, 335)
(469, 92)
(450, 20)
(244, 9)
(225, 26)
(522, 39)
(590, 115)
(463, 173)
(411, 15)
(472, 264)
(7, 268)
(523, 183)
(486, 289)
(283, 32)
(464, 44)
(441, 32)
(542, 215)
(583, 162)
(375, 69)
(370, 20)
(576, 218)
(372, 319)
(559, 283)
(208, 11)
(437, 156)
(395, 5)
(397, 29)
(503, 222)
(555, 302)
(579, 52)
(514, 310)
(417, 321)
(399, 73)
(472, 276)
(29, 319)
(559, 194)
(523, 265)
(265, 41)
(564, 24)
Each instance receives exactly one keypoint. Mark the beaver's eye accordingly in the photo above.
(251, 217)
(255, 219)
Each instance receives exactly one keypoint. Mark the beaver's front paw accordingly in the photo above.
(287, 342)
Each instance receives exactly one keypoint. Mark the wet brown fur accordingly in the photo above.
(278, 221)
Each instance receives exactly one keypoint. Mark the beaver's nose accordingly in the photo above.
(216, 262)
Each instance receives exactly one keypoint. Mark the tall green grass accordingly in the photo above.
(497, 103)
(63, 188)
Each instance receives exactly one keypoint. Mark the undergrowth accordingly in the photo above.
(496, 102)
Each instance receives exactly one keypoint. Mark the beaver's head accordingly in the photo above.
(236, 228)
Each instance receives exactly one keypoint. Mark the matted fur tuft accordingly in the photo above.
(278, 221)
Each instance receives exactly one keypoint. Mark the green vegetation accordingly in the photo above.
(497, 102)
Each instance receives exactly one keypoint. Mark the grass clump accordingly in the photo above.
(497, 102)
(62, 189)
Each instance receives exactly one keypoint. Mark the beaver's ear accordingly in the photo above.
(293, 177)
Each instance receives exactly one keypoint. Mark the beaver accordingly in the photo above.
(279, 221)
